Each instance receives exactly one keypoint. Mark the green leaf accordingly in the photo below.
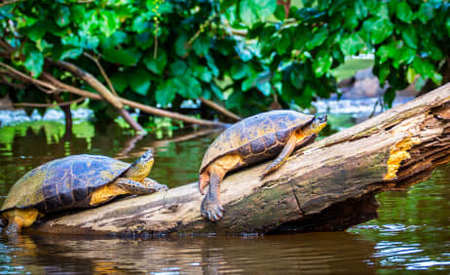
(127, 57)
(252, 11)
(212, 65)
(279, 13)
(178, 68)
(410, 37)
(263, 83)
(249, 82)
(423, 67)
(180, 45)
(378, 29)
(139, 81)
(144, 40)
(283, 44)
(141, 23)
(63, 18)
(297, 78)
(389, 97)
(410, 75)
(239, 71)
(201, 45)
(383, 73)
(317, 38)
(425, 12)
(404, 55)
(322, 63)
(110, 22)
(244, 53)
(156, 65)
(360, 9)
(216, 90)
(352, 44)
(34, 62)
(202, 73)
(386, 51)
(189, 87)
(119, 81)
(71, 53)
(165, 93)
(404, 12)
(351, 19)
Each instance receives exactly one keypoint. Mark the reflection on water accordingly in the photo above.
(317, 252)
(413, 228)
(412, 231)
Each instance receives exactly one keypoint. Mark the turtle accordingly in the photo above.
(77, 181)
(274, 134)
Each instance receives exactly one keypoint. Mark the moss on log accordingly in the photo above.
(329, 185)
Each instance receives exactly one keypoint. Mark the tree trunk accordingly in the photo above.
(329, 185)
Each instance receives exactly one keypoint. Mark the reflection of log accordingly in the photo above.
(319, 188)
(249, 255)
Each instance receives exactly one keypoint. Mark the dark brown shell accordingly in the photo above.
(63, 183)
(256, 137)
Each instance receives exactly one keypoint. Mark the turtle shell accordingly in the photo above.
(63, 183)
(257, 137)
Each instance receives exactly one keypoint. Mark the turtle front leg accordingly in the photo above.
(211, 207)
(19, 218)
(282, 157)
(148, 186)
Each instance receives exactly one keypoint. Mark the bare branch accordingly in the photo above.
(40, 84)
(9, 2)
(133, 104)
(102, 71)
(220, 109)
(46, 105)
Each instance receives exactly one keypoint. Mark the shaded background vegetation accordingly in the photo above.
(248, 55)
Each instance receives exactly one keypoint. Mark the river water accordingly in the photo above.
(410, 234)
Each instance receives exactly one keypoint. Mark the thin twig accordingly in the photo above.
(9, 2)
(102, 71)
(46, 105)
(38, 83)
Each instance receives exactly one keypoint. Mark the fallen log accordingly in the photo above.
(329, 185)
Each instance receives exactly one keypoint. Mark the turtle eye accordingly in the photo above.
(148, 154)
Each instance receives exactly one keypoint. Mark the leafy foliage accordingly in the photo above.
(161, 52)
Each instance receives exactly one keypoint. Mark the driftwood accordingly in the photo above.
(329, 185)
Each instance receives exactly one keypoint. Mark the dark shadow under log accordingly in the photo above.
(316, 189)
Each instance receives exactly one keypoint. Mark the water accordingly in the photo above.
(410, 234)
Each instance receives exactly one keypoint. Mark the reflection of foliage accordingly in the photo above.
(53, 130)
(163, 126)
(177, 162)
(84, 130)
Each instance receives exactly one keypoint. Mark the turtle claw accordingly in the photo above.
(211, 210)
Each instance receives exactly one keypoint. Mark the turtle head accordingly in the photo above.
(318, 123)
(140, 169)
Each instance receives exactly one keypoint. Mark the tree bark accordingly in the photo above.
(328, 185)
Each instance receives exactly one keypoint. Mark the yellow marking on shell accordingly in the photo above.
(106, 193)
(22, 217)
(398, 153)
(107, 175)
